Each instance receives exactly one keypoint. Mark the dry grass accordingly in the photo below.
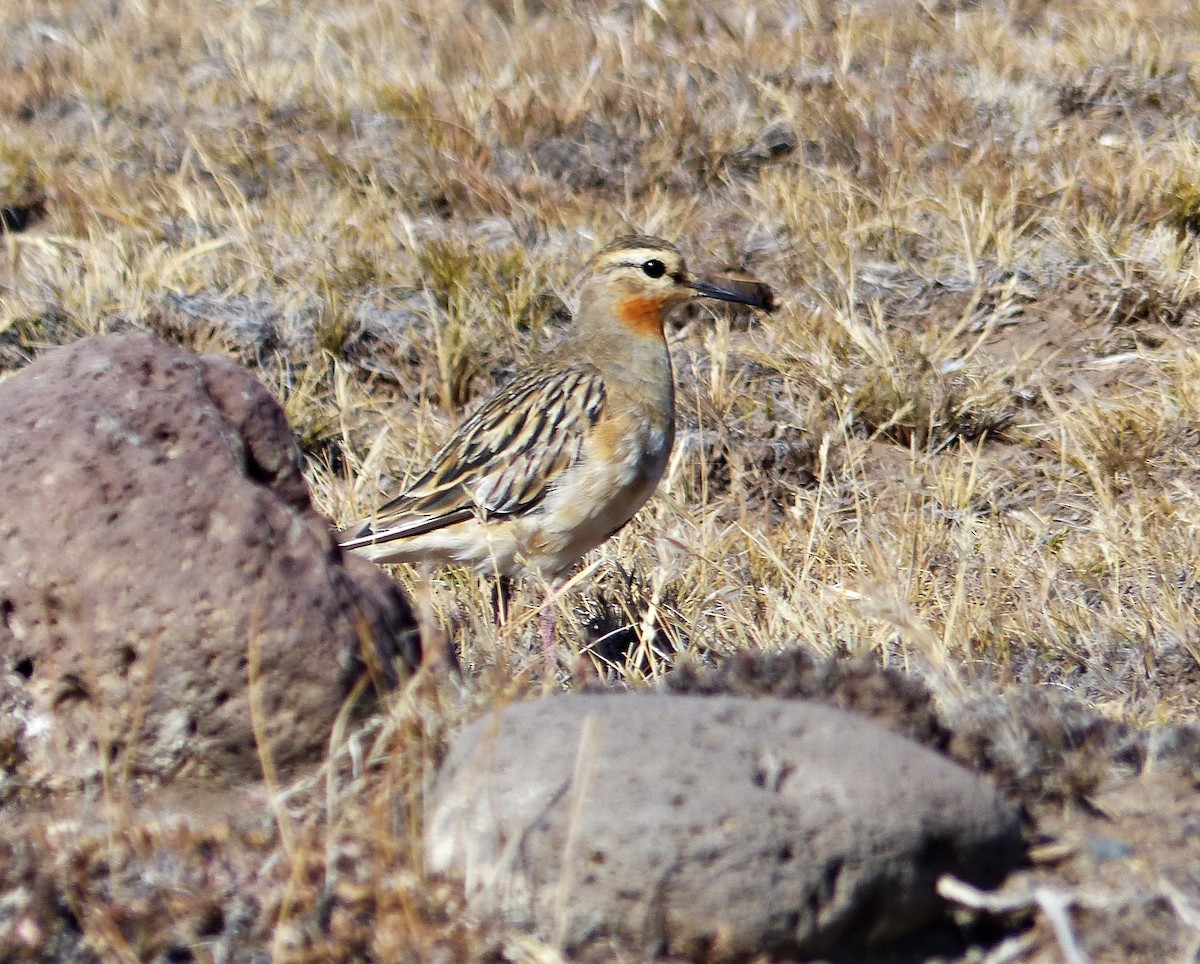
(966, 446)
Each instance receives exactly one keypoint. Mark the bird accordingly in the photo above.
(564, 455)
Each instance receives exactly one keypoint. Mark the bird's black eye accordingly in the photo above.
(654, 268)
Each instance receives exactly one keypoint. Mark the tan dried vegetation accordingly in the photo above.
(967, 446)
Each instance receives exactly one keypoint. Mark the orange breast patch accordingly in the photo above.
(643, 315)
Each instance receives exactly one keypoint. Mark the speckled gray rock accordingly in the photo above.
(715, 828)
(157, 542)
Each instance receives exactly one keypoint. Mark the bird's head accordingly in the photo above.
(638, 280)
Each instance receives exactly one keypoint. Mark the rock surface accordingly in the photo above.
(157, 551)
(714, 828)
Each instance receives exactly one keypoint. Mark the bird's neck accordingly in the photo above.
(626, 354)
(642, 317)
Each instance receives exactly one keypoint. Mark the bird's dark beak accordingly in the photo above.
(742, 291)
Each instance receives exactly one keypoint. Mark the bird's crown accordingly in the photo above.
(652, 263)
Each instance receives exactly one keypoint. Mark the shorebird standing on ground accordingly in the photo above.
(564, 455)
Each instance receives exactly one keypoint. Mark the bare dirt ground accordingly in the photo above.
(955, 480)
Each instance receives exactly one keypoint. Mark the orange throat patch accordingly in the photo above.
(642, 315)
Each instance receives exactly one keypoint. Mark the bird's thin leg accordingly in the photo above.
(548, 621)
(502, 590)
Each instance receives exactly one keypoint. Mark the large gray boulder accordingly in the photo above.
(713, 828)
(160, 560)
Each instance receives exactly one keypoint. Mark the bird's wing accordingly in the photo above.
(502, 460)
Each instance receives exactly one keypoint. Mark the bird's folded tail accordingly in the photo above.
(368, 532)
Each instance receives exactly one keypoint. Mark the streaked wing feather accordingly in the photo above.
(364, 533)
(502, 460)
